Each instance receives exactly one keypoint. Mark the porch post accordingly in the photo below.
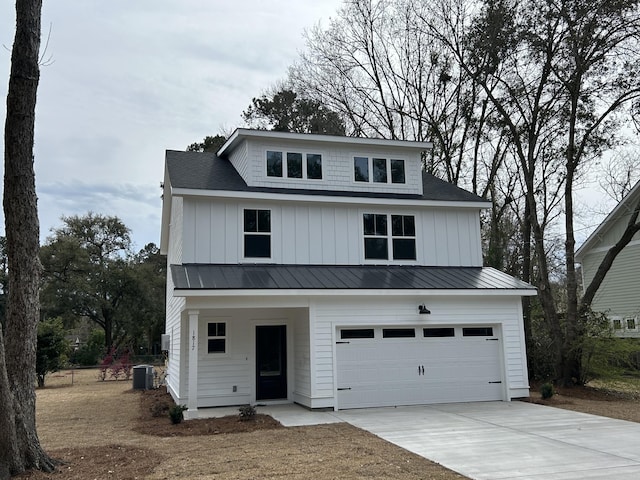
(192, 403)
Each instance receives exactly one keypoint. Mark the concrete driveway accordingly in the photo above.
(509, 440)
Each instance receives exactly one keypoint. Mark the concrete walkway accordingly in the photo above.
(497, 440)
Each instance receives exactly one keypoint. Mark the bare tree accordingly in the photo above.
(566, 75)
(621, 173)
(19, 445)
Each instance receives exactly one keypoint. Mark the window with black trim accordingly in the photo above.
(631, 323)
(438, 332)
(314, 166)
(353, 333)
(257, 233)
(216, 337)
(377, 239)
(398, 332)
(274, 164)
(397, 171)
(376, 242)
(378, 170)
(477, 332)
(291, 165)
(403, 234)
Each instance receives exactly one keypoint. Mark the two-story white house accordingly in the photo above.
(331, 272)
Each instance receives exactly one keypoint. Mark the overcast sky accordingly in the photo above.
(128, 80)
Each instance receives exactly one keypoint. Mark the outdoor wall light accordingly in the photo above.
(423, 310)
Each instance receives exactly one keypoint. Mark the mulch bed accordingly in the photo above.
(154, 419)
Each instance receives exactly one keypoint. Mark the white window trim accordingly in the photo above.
(370, 158)
(389, 237)
(304, 154)
(626, 323)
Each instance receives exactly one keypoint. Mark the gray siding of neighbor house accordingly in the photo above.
(619, 294)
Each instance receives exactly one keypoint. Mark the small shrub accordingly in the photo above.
(175, 413)
(546, 390)
(106, 364)
(247, 412)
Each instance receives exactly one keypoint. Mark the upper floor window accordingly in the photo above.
(294, 165)
(257, 233)
(378, 170)
(382, 243)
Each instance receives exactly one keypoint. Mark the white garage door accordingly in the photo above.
(416, 365)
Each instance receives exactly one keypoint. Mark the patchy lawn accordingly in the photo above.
(104, 430)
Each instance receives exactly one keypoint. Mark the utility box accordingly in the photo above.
(143, 377)
(165, 342)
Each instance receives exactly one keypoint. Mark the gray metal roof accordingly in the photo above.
(323, 277)
(206, 171)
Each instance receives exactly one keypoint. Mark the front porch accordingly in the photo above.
(239, 356)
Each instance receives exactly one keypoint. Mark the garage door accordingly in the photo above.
(416, 365)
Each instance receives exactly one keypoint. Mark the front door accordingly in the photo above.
(271, 362)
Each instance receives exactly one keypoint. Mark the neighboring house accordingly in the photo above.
(619, 295)
(331, 272)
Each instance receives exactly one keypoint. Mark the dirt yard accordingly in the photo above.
(104, 430)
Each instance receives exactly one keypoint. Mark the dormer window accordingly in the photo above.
(295, 165)
(383, 170)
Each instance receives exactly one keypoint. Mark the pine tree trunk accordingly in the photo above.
(23, 243)
(8, 439)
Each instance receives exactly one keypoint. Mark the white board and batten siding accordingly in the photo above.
(325, 234)
(501, 313)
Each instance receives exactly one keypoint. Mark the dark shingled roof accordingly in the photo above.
(322, 277)
(206, 171)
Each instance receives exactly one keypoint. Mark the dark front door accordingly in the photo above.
(271, 362)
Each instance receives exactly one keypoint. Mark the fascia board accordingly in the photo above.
(242, 133)
(167, 197)
(187, 192)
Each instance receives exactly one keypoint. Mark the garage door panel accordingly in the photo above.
(408, 371)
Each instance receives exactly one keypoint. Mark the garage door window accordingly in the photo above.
(477, 332)
(438, 332)
(398, 332)
(356, 333)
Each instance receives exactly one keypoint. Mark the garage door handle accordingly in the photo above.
(346, 388)
(491, 339)
(341, 342)
(500, 381)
